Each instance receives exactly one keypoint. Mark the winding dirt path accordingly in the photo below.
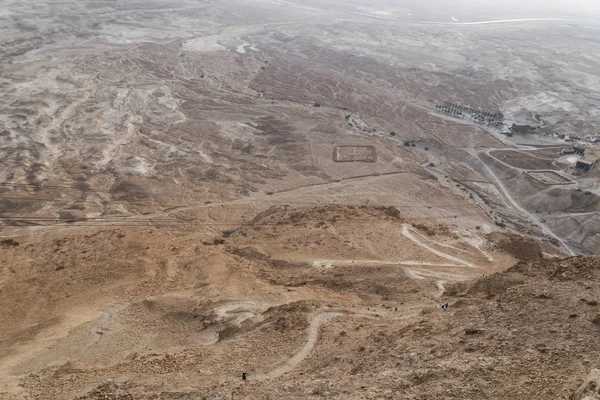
(441, 288)
(533, 218)
(311, 340)
(333, 263)
(408, 230)
(313, 335)
(416, 273)
(422, 274)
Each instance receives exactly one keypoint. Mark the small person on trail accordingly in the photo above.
(244, 376)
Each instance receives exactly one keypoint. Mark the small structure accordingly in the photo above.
(574, 150)
(585, 164)
(549, 177)
(567, 151)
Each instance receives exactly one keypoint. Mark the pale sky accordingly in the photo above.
(571, 6)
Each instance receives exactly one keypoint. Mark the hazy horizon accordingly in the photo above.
(531, 8)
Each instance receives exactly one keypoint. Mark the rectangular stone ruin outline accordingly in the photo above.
(371, 159)
(533, 173)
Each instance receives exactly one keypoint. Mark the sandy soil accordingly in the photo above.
(175, 208)
(106, 301)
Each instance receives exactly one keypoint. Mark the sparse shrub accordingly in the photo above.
(428, 230)
(392, 133)
(317, 105)
(214, 242)
(9, 243)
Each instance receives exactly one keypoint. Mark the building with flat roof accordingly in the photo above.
(574, 150)
(585, 164)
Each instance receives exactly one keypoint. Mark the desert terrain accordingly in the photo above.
(191, 190)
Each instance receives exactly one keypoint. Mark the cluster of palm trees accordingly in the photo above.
(478, 115)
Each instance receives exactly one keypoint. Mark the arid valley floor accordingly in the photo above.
(191, 190)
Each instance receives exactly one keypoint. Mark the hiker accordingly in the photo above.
(244, 376)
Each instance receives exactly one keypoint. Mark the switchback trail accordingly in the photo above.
(311, 340)
(313, 335)
(407, 231)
